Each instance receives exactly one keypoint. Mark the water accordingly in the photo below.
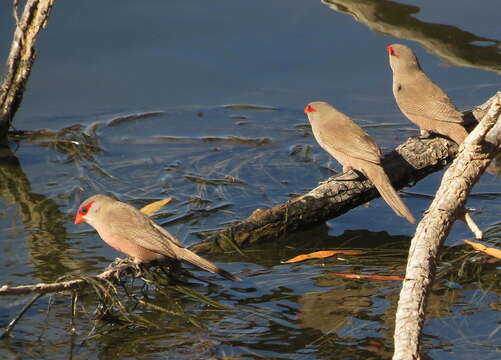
(183, 61)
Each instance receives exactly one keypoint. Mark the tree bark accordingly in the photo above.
(473, 158)
(409, 163)
(20, 61)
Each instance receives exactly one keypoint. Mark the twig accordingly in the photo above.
(68, 285)
(14, 321)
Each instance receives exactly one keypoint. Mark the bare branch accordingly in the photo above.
(474, 156)
(69, 285)
(20, 60)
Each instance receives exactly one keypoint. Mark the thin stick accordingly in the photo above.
(14, 321)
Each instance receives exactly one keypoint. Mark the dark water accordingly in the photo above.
(183, 62)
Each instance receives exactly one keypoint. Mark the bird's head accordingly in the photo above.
(402, 58)
(90, 208)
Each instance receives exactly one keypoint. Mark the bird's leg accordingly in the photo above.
(349, 174)
(424, 134)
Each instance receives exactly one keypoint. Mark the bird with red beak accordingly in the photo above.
(421, 100)
(353, 148)
(129, 231)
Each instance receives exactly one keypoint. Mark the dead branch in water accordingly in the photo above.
(473, 158)
(409, 163)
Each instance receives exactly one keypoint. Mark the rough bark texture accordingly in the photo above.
(474, 156)
(410, 162)
(21, 57)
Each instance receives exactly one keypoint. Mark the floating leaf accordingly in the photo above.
(323, 254)
(373, 277)
(155, 206)
(485, 249)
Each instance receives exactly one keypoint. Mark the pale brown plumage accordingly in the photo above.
(349, 144)
(421, 100)
(131, 232)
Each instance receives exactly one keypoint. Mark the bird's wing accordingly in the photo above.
(133, 225)
(346, 137)
(422, 97)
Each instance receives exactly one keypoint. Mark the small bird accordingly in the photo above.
(349, 144)
(133, 233)
(421, 100)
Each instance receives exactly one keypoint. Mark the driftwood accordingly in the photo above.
(413, 160)
(20, 61)
(473, 158)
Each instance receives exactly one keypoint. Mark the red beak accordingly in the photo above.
(79, 218)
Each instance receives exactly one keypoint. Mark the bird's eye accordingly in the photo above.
(85, 209)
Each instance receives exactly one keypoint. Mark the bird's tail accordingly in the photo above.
(457, 133)
(379, 178)
(189, 256)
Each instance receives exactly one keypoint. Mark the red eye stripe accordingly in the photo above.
(391, 51)
(84, 209)
(309, 109)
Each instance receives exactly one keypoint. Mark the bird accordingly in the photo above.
(129, 231)
(421, 100)
(354, 149)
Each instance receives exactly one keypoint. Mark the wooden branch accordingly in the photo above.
(69, 285)
(474, 156)
(20, 61)
(410, 162)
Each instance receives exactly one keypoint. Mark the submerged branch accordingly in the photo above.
(474, 156)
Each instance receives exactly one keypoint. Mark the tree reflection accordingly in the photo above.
(43, 220)
(454, 45)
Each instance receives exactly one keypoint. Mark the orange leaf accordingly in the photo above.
(373, 277)
(485, 249)
(155, 206)
(323, 254)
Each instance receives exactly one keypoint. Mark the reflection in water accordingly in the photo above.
(299, 311)
(46, 241)
(449, 42)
